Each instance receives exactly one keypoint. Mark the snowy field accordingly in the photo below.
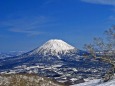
(97, 82)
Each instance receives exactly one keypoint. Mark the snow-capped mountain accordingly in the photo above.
(54, 47)
(55, 59)
(52, 51)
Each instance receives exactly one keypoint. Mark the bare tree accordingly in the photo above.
(106, 48)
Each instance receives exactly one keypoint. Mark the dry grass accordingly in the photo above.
(26, 80)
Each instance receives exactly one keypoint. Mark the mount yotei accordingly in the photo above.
(55, 59)
(51, 52)
(54, 48)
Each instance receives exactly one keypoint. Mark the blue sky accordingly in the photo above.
(27, 24)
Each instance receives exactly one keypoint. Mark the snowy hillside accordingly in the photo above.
(97, 82)
(54, 47)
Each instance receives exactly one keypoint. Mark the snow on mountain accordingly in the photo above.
(54, 47)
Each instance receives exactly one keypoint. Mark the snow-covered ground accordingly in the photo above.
(97, 82)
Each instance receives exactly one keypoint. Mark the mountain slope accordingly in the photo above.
(54, 47)
(10, 54)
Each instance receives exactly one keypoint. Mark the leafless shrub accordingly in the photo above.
(106, 47)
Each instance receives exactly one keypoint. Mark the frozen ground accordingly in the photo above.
(97, 82)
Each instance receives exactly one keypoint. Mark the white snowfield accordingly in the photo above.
(54, 47)
(97, 82)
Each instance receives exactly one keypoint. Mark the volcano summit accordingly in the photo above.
(54, 47)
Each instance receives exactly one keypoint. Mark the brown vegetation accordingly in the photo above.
(26, 80)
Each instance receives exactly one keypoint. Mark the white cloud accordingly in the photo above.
(30, 26)
(103, 2)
